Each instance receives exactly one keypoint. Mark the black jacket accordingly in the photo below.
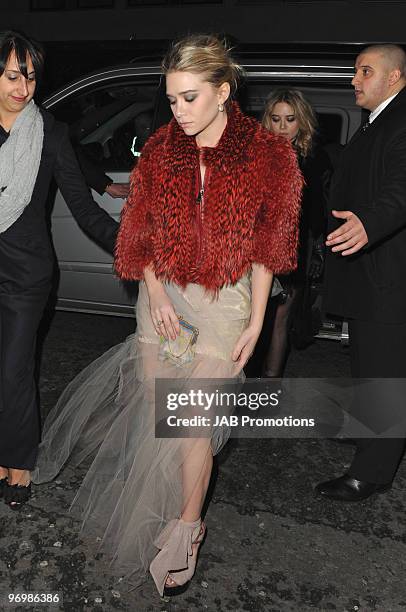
(94, 175)
(371, 182)
(26, 255)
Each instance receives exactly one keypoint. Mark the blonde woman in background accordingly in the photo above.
(289, 114)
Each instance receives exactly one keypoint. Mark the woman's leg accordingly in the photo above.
(277, 352)
(179, 542)
(196, 472)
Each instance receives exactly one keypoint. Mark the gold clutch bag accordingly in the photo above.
(181, 350)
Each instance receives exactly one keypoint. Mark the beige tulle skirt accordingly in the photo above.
(135, 484)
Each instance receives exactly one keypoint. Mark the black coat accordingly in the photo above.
(316, 169)
(92, 170)
(26, 270)
(371, 182)
(26, 256)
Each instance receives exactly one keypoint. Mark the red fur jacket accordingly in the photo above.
(249, 214)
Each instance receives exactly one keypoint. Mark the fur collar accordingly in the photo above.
(182, 151)
(250, 211)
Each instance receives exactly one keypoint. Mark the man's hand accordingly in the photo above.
(350, 237)
(118, 190)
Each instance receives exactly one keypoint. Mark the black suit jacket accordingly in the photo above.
(371, 182)
(26, 255)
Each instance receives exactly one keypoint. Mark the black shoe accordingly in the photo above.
(3, 485)
(17, 495)
(347, 488)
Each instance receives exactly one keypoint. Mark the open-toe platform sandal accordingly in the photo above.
(174, 566)
(16, 495)
(178, 582)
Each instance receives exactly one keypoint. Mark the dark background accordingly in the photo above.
(247, 20)
(82, 35)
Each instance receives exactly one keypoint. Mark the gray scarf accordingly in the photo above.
(20, 157)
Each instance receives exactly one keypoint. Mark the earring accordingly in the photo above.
(221, 108)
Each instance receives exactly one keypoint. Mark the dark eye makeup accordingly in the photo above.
(289, 118)
(188, 98)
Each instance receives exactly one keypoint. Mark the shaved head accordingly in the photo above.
(394, 56)
(380, 73)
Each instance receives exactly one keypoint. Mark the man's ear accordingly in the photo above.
(394, 77)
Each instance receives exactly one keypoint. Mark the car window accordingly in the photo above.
(329, 105)
(110, 122)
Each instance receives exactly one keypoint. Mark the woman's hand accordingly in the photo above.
(163, 314)
(261, 281)
(244, 347)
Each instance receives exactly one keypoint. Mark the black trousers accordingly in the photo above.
(20, 315)
(378, 350)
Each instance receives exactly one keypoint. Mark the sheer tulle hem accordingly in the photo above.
(134, 485)
(137, 483)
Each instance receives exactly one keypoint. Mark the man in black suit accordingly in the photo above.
(366, 263)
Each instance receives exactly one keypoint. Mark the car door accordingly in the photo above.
(109, 121)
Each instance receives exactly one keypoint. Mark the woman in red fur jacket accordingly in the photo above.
(212, 214)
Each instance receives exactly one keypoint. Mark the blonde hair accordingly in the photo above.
(207, 55)
(304, 114)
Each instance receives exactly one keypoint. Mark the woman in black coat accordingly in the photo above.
(290, 115)
(34, 148)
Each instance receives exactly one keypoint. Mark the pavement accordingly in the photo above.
(272, 546)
